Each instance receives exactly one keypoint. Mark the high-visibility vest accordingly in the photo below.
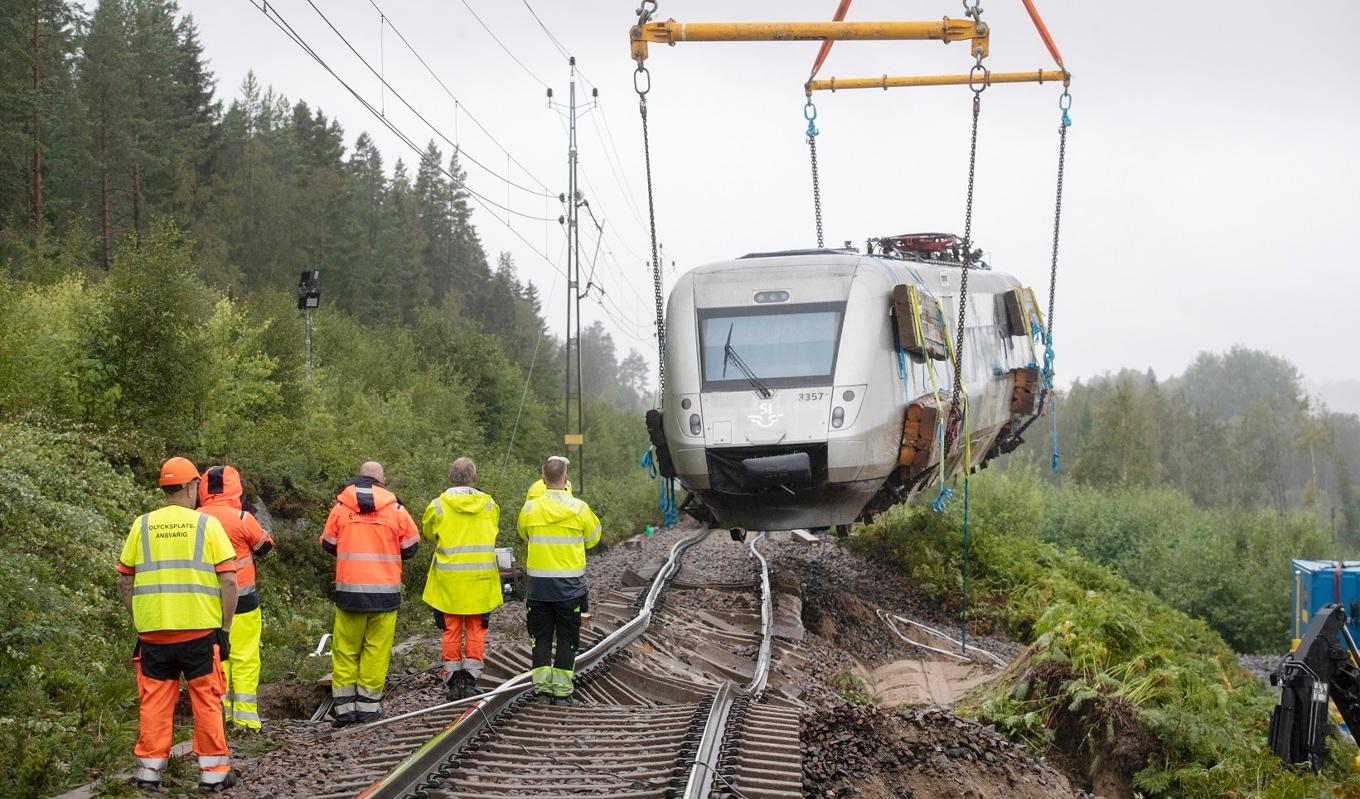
(174, 552)
(463, 578)
(558, 529)
(370, 534)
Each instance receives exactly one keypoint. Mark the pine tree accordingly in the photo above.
(106, 85)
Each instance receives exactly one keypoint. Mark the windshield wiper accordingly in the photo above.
(730, 356)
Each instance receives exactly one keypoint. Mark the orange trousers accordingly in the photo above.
(464, 644)
(159, 668)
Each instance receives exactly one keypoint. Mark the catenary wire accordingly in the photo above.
(498, 41)
(456, 102)
(279, 22)
(388, 87)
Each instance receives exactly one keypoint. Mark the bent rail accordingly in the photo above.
(418, 771)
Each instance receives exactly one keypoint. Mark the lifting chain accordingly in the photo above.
(810, 114)
(978, 78)
(1065, 104)
(642, 83)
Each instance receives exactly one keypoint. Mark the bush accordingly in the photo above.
(1106, 660)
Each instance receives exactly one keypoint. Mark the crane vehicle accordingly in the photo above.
(1323, 668)
(805, 387)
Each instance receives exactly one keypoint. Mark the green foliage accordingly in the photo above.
(1098, 644)
(852, 688)
(66, 697)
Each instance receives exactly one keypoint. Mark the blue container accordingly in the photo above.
(1319, 582)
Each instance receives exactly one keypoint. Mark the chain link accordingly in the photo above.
(816, 190)
(656, 263)
(955, 406)
(1057, 223)
(810, 114)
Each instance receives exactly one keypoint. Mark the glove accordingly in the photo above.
(223, 644)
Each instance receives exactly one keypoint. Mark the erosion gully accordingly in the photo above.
(677, 700)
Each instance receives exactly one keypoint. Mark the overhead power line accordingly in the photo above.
(282, 24)
(498, 41)
(556, 42)
(382, 79)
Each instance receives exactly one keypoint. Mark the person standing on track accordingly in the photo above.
(221, 496)
(370, 534)
(177, 579)
(558, 529)
(464, 583)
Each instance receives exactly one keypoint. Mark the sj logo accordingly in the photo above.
(767, 417)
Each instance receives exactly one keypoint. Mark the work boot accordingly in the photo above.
(453, 687)
(153, 786)
(367, 718)
(344, 719)
(470, 688)
(569, 701)
(215, 787)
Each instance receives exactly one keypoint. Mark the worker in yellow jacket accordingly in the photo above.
(539, 488)
(558, 529)
(464, 584)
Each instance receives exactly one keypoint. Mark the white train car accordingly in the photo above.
(799, 391)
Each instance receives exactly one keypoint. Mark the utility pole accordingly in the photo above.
(572, 385)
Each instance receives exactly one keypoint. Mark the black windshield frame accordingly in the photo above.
(736, 380)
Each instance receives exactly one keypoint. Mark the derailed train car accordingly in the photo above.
(799, 388)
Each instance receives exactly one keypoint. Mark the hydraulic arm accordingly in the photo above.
(1323, 666)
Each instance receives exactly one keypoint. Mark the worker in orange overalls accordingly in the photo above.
(220, 495)
(177, 578)
(370, 534)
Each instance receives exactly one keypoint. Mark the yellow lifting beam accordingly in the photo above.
(887, 82)
(670, 32)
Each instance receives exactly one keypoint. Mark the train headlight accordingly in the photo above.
(837, 417)
(696, 425)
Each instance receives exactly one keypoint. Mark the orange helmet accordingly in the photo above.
(177, 472)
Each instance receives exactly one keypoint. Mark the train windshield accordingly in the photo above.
(775, 347)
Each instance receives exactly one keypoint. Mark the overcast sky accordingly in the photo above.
(1212, 177)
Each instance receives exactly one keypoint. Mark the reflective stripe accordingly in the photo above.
(240, 716)
(555, 572)
(343, 691)
(369, 588)
(465, 550)
(556, 540)
(438, 507)
(146, 537)
(176, 588)
(247, 591)
(472, 665)
(330, 539)
(489, 566)
(157, 565)
(199, 538)
(212, 777)
(153, 762)
(244, 562)
(596, 532)
(368, 707)
(246, 698)
(208, 761)
(268, 539)
(147, 774)
(450, 666)
(371, 695)
(369, 556)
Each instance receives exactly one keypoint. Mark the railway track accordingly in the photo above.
(674, 702)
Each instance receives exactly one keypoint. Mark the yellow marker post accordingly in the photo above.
(574, 439)
(672, 32)
(894, 82)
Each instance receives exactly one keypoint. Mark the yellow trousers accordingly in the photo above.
(242, 670)
(361, 647)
